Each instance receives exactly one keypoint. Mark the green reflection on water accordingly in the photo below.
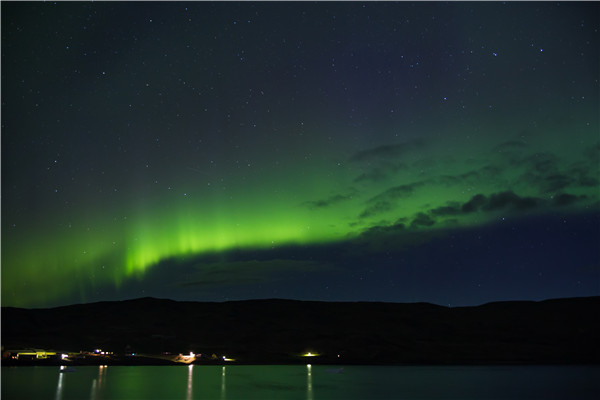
(195, 382)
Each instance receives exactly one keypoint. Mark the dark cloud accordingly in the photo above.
(497, 201)
(486, 173)
(378, 230)
(384, 201)
(502, 201)
(376, 209)
(338, 198)
(474, 204)
(389, 238)
(422, 219)
(380, 172)
(543, 163)
(588, 181)
(466, 178)
(508, 199)
(397, 192)
(451, 209)
(544, 183)
(539, 162)
(480, 202)
(566, 199)
(388, 151)
(584, 174)
(555, 182)
(382, 161)
(375, 175)
(543, 172)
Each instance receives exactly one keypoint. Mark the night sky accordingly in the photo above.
(405, 152)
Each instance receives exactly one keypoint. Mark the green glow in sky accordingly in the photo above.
(317, 202)
(160, 144)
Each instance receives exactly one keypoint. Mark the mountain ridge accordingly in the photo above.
(281, 330)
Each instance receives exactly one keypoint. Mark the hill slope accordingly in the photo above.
(273, 331)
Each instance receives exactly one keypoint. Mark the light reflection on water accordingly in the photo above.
(223, 396)
(98, 383)
(309, 388)
(59, 386)
(310, 382)
(189, 385)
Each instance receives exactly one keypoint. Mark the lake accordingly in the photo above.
(302, 382)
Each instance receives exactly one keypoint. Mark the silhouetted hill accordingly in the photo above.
(273, 331)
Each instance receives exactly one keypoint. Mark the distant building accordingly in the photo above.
(32, 354)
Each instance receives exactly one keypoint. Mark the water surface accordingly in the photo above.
(302, 382)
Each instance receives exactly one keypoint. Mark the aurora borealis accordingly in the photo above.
(434, 152)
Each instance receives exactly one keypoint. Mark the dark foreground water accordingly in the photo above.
(302, 382)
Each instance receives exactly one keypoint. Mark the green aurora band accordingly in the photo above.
(308, 200)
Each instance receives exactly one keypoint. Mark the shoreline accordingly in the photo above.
(148, 361)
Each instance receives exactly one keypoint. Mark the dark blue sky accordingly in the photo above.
(439, 152)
